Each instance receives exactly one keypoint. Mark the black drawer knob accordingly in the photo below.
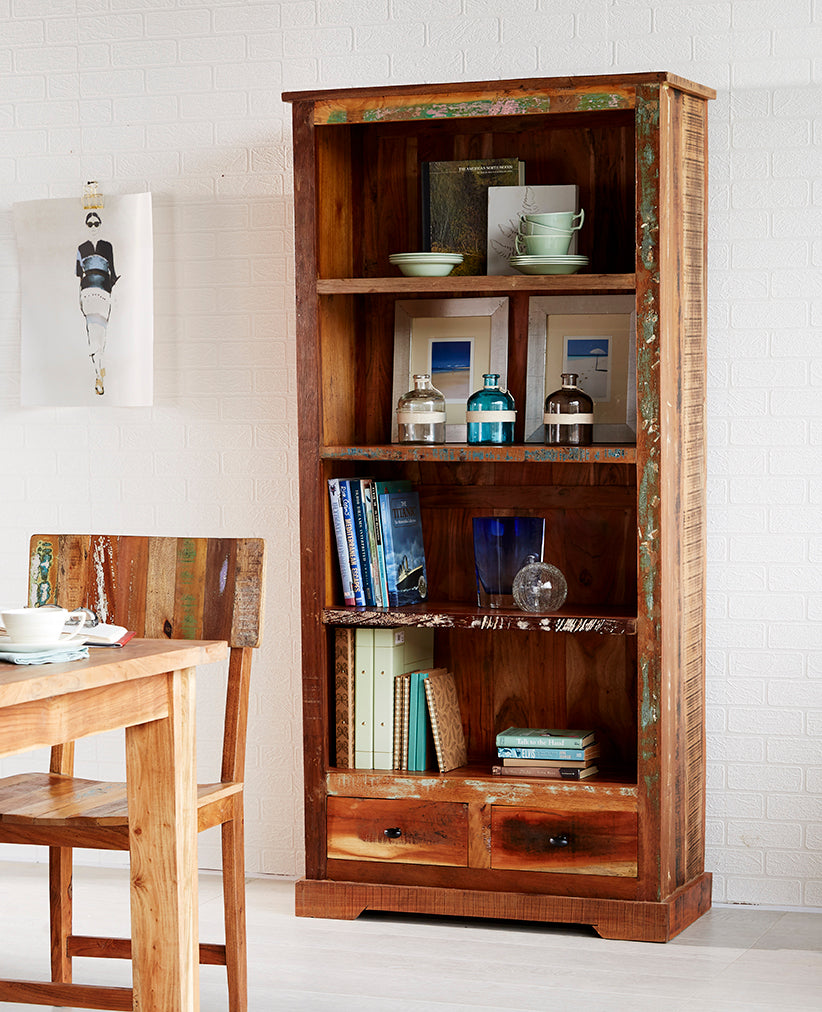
(561, 840)
(393, 832)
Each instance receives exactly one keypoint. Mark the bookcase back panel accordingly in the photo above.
(537, 679)
(379, 170)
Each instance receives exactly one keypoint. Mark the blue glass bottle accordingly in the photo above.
(490, 413)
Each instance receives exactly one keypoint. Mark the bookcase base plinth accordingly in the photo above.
(616, 919)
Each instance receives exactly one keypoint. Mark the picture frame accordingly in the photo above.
(594, 336)
(456, 341)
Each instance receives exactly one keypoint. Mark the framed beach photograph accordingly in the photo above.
(594, 337)
(456, 341)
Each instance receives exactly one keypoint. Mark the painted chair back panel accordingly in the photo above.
(179, 588)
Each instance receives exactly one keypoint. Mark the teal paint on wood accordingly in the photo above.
(502, 106)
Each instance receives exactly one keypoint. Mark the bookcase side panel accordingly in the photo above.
(312, 496)
(649, 549)
(682, 335)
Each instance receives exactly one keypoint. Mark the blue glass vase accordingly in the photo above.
(502, 546)
(490, 413)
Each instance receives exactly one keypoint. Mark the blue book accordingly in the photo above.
(377, 489)
(342, 543)
(569, 754)
(350, 537)
(361, 538)
(403, 546)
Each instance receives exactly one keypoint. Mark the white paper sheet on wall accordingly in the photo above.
(87, 311)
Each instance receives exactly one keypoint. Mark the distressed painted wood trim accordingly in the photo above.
(648, 486)
(501, 102)
(463, 453)
(428, 617)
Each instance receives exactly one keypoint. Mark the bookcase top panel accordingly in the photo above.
(486, 98)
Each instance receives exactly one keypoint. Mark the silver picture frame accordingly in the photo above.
(479, 323)
(554, 322)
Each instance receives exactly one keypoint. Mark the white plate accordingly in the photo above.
(7, 647)
(449, 258)
(547, 259)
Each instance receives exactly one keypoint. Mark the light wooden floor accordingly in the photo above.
(734, 958)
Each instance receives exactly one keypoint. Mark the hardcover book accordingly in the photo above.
(406, 707)
(446, 720)
(344, 696)
(395, 651)
(403, 546)
(374, 545)
(454, 204)
(556, 754)
(505, 206)
(364, 699)
(399, 696)
(541, 737)
(342, 541)
(361, 539)
(351, 542)
(548, 772)
(538, 763)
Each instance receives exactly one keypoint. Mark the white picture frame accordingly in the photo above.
(591, 335)
(457, 341)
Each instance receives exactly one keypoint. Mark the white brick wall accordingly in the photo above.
(182, 97)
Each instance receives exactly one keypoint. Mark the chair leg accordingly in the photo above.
(234, 903)
(60, 890)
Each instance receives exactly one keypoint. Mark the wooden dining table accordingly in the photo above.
(147, 687)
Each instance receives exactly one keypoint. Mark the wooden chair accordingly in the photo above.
(178, 588)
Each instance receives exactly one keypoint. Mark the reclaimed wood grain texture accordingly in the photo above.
(182, 590)
(625, 524)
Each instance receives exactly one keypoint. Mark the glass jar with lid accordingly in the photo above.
(421, 413)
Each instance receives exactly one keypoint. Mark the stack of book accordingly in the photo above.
(543, 752)
(379, 542)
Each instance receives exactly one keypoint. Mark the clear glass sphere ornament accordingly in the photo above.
(539, 587)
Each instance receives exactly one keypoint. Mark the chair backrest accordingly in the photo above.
(174, 588)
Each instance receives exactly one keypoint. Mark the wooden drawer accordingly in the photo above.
(582, 843)
(410, 832)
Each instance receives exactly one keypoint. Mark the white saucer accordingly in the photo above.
(8, 647)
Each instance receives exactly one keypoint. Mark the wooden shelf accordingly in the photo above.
(568, 619)
(519, 453)
(546, 284)
(609, 790)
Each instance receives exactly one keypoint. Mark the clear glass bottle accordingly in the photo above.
(490, 413)
(569, 415)
(421, 413)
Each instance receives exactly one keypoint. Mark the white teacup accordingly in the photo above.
(558, 219)
(543, 245)
(41, 625)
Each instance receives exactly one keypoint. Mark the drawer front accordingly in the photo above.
(582, 843)
(410, 832)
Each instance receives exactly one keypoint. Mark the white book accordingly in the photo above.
(505, 206)
(396, 651)
(364, 699)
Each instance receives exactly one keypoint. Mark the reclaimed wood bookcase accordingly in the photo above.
(624, 850)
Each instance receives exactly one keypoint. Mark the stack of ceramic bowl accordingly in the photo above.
(426, 265)
(543, 240)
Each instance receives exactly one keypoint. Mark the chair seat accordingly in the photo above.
(53, 801)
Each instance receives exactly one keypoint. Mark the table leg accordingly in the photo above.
(162, 809)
